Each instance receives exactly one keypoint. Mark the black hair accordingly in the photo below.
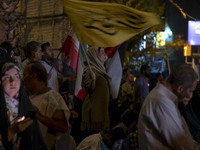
(7, 46)
(30, 47)
(125, 70)
(143, 68)
(44, 46)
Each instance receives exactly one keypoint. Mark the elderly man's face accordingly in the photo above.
(11, 82)
(186, 94)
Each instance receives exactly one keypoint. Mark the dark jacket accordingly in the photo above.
(4, 56)
(191, 114)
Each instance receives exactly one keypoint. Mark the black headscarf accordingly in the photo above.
(31, 138)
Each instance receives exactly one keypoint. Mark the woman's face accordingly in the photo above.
(11, 82)
(102, 55)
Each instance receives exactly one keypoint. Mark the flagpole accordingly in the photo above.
(87, 60)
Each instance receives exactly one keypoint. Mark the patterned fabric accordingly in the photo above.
(92, 142)
(47, 102)
(12, 107)
(127, 89)
(133, 140)
(30, 139)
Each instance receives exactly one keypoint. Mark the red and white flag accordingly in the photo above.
(79, 92)
(114, 69)
(77, 53)
(71, 49)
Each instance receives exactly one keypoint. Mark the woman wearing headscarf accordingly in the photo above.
(96, 82)
(16, 132)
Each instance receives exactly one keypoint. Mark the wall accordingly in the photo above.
(45, 21)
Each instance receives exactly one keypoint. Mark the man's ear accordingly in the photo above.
(33, 53)
(180, 89)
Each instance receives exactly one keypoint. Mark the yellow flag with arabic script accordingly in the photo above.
(107, 24)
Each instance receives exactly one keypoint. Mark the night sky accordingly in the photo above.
(179, 25)
(175, 19)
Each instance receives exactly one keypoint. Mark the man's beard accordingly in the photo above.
(181, 96)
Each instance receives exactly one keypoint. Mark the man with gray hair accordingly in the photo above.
(161, 126)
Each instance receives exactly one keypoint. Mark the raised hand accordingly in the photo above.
(18, 126)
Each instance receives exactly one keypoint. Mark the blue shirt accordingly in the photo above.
(141, 88)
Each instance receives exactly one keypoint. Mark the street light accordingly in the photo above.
(186, 53)
(187, 50)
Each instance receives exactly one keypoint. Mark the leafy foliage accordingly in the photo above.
(136, 55)
(142, 55)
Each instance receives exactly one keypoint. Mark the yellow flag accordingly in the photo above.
(106, 24)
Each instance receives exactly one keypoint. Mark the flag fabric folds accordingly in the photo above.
(77, 56)
(71, 49)
(107, 24)
(79, 92)
(110, 51)
(114, 69)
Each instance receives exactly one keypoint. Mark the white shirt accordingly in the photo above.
(161, 126)
(91, 142)
(53, 81)
(47, 103)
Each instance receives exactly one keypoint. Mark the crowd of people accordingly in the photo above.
(39, 111)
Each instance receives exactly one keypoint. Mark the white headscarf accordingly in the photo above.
(95, 62)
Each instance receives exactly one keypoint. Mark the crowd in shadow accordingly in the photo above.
(39, 110)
